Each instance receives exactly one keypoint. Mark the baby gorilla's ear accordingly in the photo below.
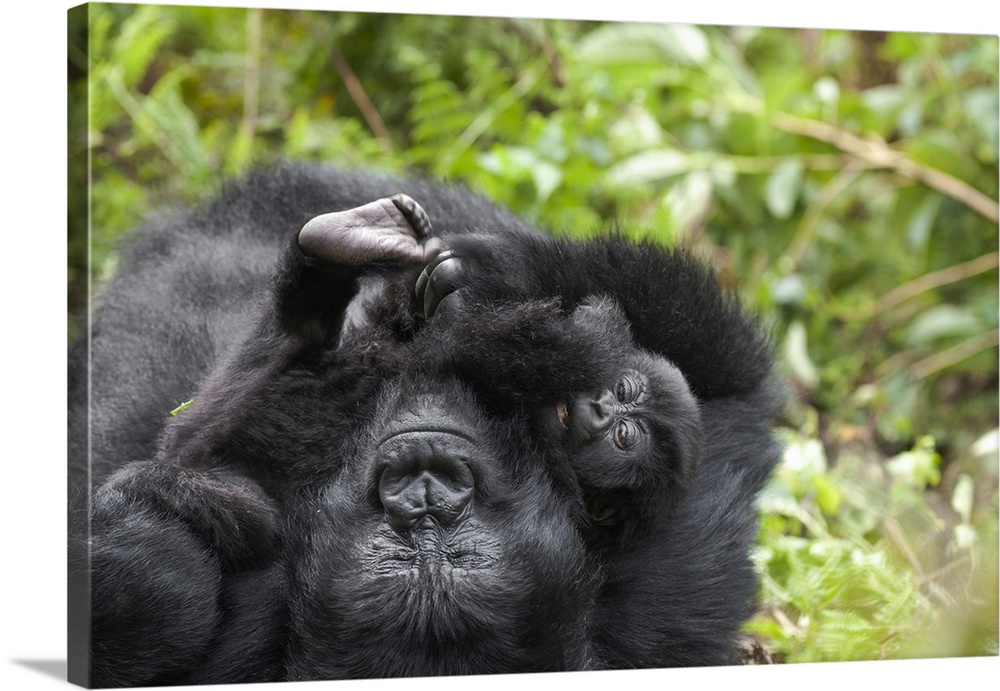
(600, 319)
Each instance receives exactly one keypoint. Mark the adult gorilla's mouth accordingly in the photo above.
(426, 484)
(430, 550)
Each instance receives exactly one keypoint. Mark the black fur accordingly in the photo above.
(262, 540)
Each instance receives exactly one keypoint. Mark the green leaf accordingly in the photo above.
(943, 321)
(942, 150)
(981, 106)
(797, 355)
(648, 166)
(962, 497)
(828, 495)
(176, 127)
(918, 230)
(783, 187)
(614, 44)
(789, 290)
(690, 199)
(917, 467)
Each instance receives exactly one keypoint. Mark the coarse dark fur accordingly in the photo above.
(272, 529)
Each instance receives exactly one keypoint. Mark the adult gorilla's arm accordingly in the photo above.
(673, 301)
(292, 334)
(186, 582)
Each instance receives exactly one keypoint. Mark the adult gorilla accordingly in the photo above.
(349, 495)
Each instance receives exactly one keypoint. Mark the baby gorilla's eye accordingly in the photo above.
(623, 435)
(629, 387)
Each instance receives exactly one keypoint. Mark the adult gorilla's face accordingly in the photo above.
(444, 546)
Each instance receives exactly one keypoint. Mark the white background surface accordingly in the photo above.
(33, 338)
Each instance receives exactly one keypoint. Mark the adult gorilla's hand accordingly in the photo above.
(396, 228)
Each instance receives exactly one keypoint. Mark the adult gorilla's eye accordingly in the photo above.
(620, 391)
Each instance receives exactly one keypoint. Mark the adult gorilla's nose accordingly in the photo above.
(426, 474)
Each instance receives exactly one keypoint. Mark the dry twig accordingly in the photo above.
(878, 154)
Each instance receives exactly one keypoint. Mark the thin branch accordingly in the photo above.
(935, 279)
(952, 356)
(921, 369)
(351, 82)
(361, 100)
(946, 569)
(878, 154)
(540, 36)
(896, 534)
(251, 76)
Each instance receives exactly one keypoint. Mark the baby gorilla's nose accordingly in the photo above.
(425, 474)
(595, 414)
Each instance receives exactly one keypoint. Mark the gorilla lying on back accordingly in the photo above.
(360, 490)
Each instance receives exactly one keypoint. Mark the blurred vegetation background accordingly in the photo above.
(845, 181)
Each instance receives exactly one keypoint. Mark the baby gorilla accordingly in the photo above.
(634, 436)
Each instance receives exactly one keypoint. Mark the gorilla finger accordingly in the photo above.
(444, 280)
(423, 279)
(415, 214)
(449, 306)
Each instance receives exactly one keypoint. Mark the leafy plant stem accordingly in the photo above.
(898, 538)
(487, 116)
(810, 220)
(137, 114)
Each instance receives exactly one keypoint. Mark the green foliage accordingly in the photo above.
(846, 181)
(857, 564)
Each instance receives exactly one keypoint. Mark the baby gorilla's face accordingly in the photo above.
(632, 440)
(614, 416)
